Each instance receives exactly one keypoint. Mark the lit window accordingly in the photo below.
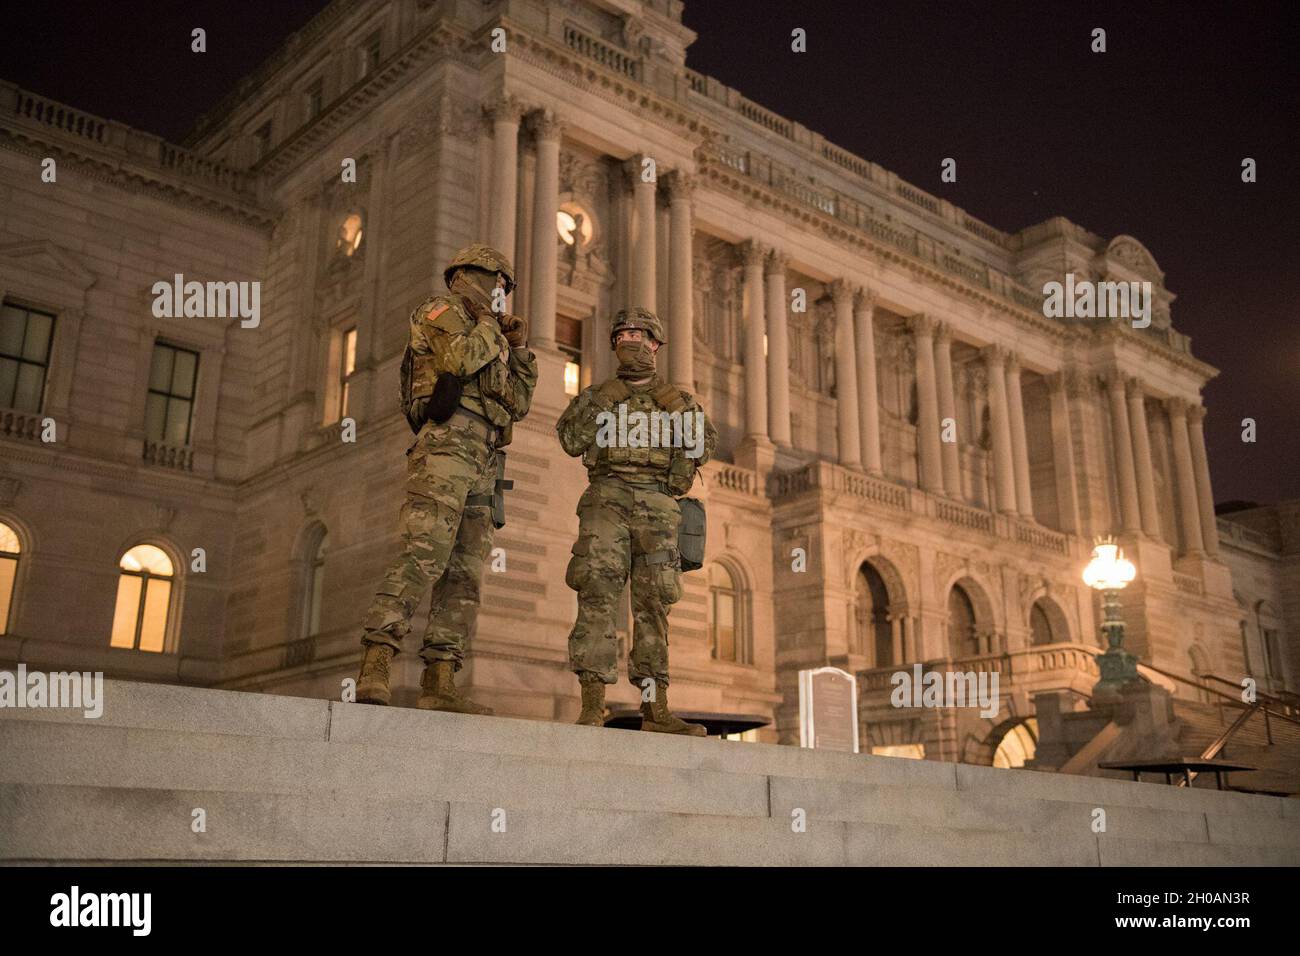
(726, 638)
(349, 235)
(25, 338)
(10, 548)
(315, 96)
(571, 376)
(170, 401)
(346, 368)
(574, 225)
(908, 751)
(315, 588)
(144, 591)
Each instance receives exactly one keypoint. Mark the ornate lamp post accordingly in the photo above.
(1110, 572)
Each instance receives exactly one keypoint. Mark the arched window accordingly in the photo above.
(1040, 625)
(962, 639)
(872, 632)
(1018, 745)
(727, 637)
(10, 549)
(315, 589)
(144, 593)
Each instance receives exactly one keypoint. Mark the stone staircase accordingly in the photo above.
(292, 780)
(1200, 724)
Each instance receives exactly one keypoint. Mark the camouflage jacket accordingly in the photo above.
(446, 338)
(614, 428)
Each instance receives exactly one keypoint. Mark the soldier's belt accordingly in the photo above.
(662, 556)
(482, 425)
(658, 486)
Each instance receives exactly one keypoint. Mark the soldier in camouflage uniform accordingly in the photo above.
(628, 523)
(459, 341)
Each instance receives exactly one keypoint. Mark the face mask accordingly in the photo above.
(635, 360)
(475, 285)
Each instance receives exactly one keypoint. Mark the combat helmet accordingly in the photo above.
(638, 318)
(480, 256)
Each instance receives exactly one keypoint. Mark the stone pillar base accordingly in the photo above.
(758, 453)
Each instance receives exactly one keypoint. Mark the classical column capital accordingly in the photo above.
(504, 108)
(1195, 414)
(680, 185)
(752, 253)
(841, 291)
(1113, 380)
(1013, 363)
(633, 170)
(1176, 407)
(943, 334)
(778, 261)
(545, 124)
(995, 356)
(920, 325)
(865, 300)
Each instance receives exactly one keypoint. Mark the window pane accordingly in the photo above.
(9, 539)
(37, 344)
(317, 592)
(160, 371)
(178, 421)
(31, 383)
(8, 570)
(726, 644)
(349, 351)
(183, 374)
(8, 382)
(124, 616)
(12, 324)
(155, 411)
(146, 557)
(156, 598)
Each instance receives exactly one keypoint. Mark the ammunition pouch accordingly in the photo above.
(690, 534)
(442, 404)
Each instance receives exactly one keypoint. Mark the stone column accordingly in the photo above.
(1137, 414)
(752, 255)
(927, 404)
(681, 298)
(1067, 496)
(1004, 480)
(1130, 514)
(546, 204)
(1204, 493)
(643, 235)
(505, 112)
(778, 349)
(846, 377)
(1189, 504)
(864, 338)
(1019, 443)
(950, 450)
(896, 636)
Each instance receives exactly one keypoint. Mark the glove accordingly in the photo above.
(515, 329)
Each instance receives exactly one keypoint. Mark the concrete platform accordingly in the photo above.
(284, 779)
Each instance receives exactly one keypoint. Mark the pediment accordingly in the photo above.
(43, 257)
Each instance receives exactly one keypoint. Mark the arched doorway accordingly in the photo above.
(872, 633)
(963, 638)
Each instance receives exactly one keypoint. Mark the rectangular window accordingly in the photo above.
(26, 337)
(170, 402)
(346, 368)
(568, 335)
(315, 98)
(370, 54)
(263, 138)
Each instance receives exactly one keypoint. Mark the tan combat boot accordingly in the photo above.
(438, 687)
(655, 716)
(372, 682)
(593, 700)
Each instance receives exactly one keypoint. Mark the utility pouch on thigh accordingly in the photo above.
(690, 534)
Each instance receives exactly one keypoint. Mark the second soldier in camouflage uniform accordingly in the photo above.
(484, 373)
(628, 524)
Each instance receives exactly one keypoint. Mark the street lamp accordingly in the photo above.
(1110, 572)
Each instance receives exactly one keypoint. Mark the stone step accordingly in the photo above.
(64, 754)
(67, 824)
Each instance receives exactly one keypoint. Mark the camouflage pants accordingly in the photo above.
(624, 529)
(443, 542)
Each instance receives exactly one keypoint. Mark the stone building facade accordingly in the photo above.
(913, 465)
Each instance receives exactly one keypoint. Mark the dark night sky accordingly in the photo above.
(1146, 139)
